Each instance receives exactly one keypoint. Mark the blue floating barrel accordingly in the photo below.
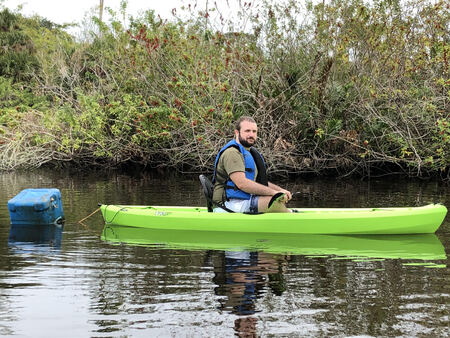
(36, 206)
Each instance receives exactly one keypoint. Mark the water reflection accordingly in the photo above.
(419, 247)
(242, 277)
(250, 270)
(36, 237)
(246, 327)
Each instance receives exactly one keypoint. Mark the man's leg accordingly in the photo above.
(277, 206)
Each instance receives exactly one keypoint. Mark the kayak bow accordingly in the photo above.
(394, 220)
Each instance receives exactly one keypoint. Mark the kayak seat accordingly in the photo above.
(208, 189)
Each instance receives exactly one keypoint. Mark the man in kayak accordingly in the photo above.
(240, 178)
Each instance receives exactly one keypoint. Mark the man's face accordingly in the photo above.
(247, 135)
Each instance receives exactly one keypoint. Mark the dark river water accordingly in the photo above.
(88, 280)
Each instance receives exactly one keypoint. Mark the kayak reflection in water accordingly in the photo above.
(243, 277)
(240, 177)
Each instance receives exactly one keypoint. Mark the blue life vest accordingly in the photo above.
(252, 160)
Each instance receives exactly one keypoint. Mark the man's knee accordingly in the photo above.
(277, 206)
(263, 203)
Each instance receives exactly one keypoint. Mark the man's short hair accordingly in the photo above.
(237, 126)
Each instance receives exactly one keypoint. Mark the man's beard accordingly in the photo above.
(245, 143)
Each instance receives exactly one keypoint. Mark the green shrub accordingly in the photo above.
(346, 86)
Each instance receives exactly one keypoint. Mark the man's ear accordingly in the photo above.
(236, 133)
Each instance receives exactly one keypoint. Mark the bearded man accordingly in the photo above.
(240, 177)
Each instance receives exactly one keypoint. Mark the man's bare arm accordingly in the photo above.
(252, 187)
(278, 188)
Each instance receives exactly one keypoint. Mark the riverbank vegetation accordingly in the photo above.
(337, 87)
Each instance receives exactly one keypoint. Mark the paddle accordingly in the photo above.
(275, 198)
(297, 193)
(279, 195)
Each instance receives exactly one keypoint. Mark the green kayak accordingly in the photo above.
(421, 247)
(405, 220)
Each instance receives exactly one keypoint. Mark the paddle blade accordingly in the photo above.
(275, 198)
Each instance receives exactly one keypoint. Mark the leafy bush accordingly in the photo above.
(340, 86)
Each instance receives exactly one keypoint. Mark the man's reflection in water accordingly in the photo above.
(243, 277)
(246, 326)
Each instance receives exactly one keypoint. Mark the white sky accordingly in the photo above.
(74, 11)
(60, 11)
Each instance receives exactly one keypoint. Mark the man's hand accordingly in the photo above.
(280, 189)
(252, 187)
(287, 195)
